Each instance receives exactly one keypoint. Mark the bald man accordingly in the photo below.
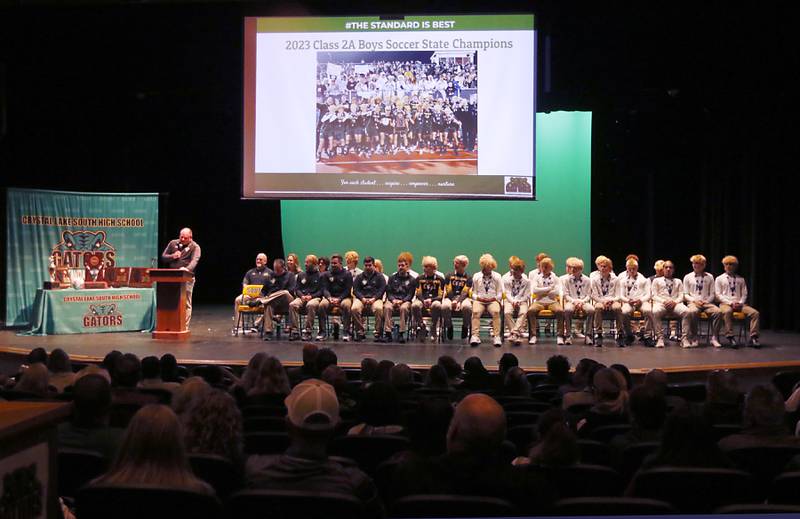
(473, 463)
(255, 276)
(184, 254)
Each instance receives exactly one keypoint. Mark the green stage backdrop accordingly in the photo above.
(557, 223)
(119, 229)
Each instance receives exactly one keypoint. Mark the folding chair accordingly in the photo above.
(248, 315)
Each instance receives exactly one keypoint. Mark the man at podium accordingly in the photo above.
(183, 253)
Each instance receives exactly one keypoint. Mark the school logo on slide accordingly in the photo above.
(102, 316)
(76, 249)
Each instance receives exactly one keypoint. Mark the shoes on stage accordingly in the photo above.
(732, 341)
(649, 342)
(560, 341)
(715, 342)
(346, 337)
(253, 330)
(498, 341)
(568, 339)
(754, 342)
(598, 340)
(306, 336)
(360, 337)
(321, 336)
(673, 338)
(686, 343)
(269, 336)
(294, 336)
(532, 340)
(235, 331)
(660, 342)
(474, 340)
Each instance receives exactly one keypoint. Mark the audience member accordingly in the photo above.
(723, 404)
(452, 368)
(516, 383)
(401, 378)
(436, 378)
(35, 379)
(611, 405)
(214, 426)
(313, 413)
(241, 387)
(473, 463)
(383, 371)
(687, 441)
(379, 408)
(36, 355)
(581, 391)
(309, 368)
(369, 371)
(557, 371)
(626, 374)
(557, 445)
(506, 362)
(152, 453)
(476, 376)
(60, 367)
(271, 385)
(763, 420)
(325, 358)
(658, 379)
(110, 364)
(151, 376)
(127, 370)
(169, 368)
(648, 409)
(186, 397)
(336, 377)
(88, 428)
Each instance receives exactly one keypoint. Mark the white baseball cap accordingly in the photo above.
(313, 404)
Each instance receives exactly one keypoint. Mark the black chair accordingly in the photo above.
(689, 391)
(583, 480)
(450, 505)
(265, 442)
(530, 406)
(784, 490)
(785, 382)
(135, 502)
(517, 418)
(522, 436)
(595, 453)
(759, 508)
(695, 490)
(164, 395)
(263, 410)
(632, 457)
(534, 379)
(722, 430)
(264, 424)
(605, 433)
(119, 415)
(611, 506)
(764, 463)
(368, 451)
(545, 395)
(217, 471)
(545, 387)
(292, 504)
(76, 467)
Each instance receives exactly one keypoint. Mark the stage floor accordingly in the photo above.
(211, 342)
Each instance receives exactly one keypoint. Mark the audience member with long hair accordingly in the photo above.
(271, 385)
(214, 426)
(152, 453)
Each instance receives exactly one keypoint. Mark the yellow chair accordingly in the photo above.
(740, 318)
(248, 314)
(546, 315)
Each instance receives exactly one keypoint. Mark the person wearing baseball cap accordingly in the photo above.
(312, 415)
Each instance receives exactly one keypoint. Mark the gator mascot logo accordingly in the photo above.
(78, 248)
(101, 316)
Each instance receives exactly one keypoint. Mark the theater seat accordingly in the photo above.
(217, 471)
(695, 490)
(150, 502)
(77, 467)
(785, 489)
(290, 504)
(449, 505)
(611, 506)
(368, 451)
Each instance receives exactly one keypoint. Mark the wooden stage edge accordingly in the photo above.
(212, 343)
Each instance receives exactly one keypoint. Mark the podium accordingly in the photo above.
(170, 303)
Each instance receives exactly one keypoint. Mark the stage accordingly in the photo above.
(211, 342)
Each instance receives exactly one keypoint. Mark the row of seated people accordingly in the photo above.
(455, 437)
(519, 297)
